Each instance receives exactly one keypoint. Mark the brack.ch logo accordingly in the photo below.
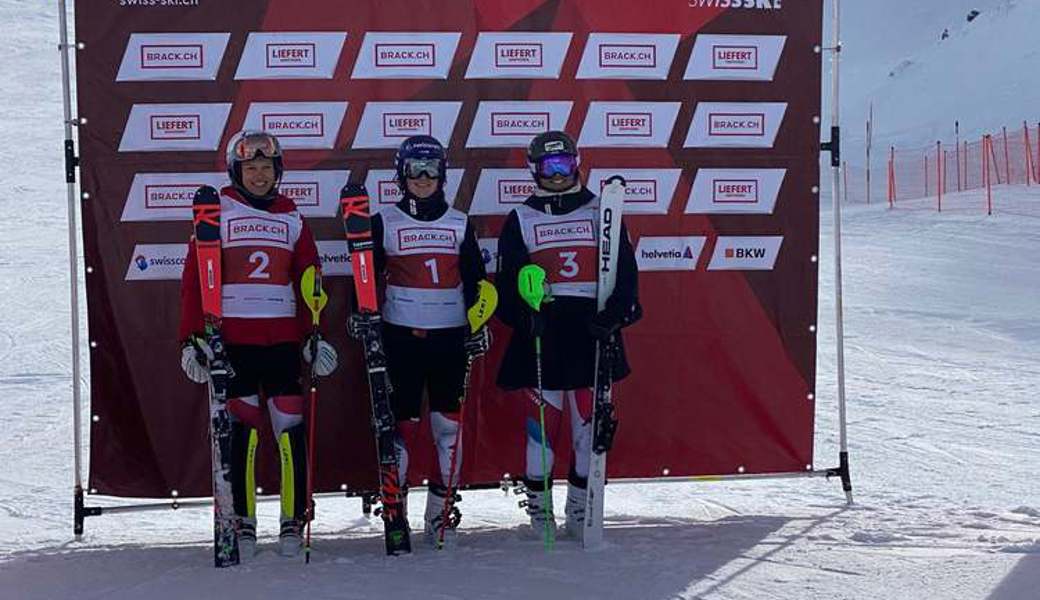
(171, 56)
(519, 123)
(294, 124)
(405, 55)
(628, 55)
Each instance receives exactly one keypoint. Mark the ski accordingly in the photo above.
(206, 221)
(357, 224)
(604, 419)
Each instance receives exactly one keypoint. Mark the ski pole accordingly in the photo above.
(478, 315)
(314, 294)
(533, 291)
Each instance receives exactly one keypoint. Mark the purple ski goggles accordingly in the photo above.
(565, 165)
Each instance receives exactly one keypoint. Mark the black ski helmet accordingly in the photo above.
(549, 143)
(247, 145)
(421, 146)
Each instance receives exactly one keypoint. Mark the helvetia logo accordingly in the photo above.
(630, 124)
(737, 124)
(415, 238)
(171, 56)
(294, 125)
(753, 4)
(628, 55)
(283, 55)
(518, 54)
(519, 123)
(735, 57)
(405, 55)
(735, 191)
(670, 254)
(407, 124)
(175, 127)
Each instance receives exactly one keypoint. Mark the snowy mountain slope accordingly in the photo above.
(943, 339)
(983, 74)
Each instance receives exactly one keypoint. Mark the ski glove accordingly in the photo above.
(327, 358)
(477, 344)
(195, 357)
(607, 322)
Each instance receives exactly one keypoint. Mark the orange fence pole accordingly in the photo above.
(965, 164)
(892, 177)
(993, 158)
(1007, 159)
(926, 171)
(846, 189)
(957, 146)
(1029, 153)
(986, 156)
(938, 173)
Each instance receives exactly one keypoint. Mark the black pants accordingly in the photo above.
(435, 361)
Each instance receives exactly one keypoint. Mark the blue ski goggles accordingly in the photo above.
(415, 168)
(565, 165)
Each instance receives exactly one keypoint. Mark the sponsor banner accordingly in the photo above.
(298, 124)
(406, 55)
(514, 124)
(156, 262)
(172, 56)
(387, 124)
(489, 253)
(628, 124)
(383, 191)
(518, 54)
(735, 57)
(335, 260)
(735, 191)
(628, 56)
(745, 253)
(170, 127)
(290, 55)
(669, 253)
(500, 191)
(316, 193)
(735, 124)
(166, 196)
(647, 191)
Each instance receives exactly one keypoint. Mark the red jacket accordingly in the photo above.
(259, 332)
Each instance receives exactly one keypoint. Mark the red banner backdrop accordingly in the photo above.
(709, 111)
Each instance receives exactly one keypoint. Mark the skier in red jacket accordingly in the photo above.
(265, 247)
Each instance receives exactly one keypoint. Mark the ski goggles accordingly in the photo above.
(415, 168)
(565, 165)
(254, 144)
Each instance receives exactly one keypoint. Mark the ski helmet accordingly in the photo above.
(421, 155)
(551, 153)
(247, 145)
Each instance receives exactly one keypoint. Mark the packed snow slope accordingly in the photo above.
(942, 351)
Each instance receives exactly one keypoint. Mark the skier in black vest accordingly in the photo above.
(429, 263)
(555, 228)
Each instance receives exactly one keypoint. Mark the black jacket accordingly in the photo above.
(568, 349)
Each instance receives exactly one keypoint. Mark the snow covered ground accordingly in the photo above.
(942, 350)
